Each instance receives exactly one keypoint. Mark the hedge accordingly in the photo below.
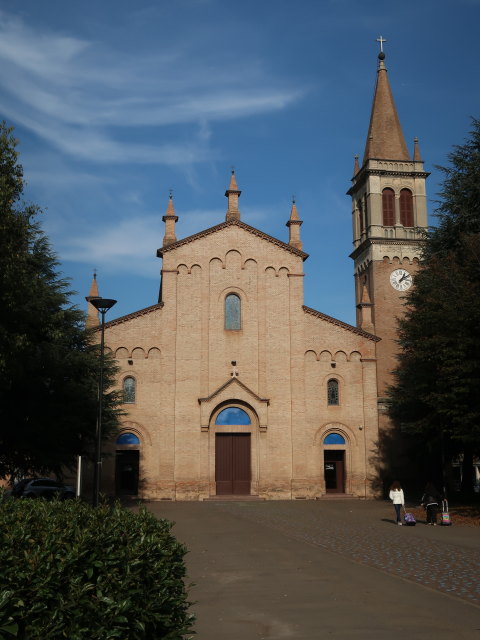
(68, 570)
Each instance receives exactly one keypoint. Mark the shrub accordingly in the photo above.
(68, 570)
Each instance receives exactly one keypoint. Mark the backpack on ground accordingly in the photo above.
(409, 519)
(445, 519)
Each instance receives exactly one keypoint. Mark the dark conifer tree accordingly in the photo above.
(48, 366)
(436, 391)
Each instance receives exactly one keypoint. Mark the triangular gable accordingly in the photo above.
(225, 394)
(233, 380)
(230, 223)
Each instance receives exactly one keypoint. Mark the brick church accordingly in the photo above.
(231, 384)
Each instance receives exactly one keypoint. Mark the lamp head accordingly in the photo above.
(102, 304)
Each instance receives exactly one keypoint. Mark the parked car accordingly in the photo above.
(42, 488)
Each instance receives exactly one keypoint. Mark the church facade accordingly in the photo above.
(231, 385)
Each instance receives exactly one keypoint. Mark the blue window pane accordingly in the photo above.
(232, 312)
(334, 438)
(232, 415)
(128, 438)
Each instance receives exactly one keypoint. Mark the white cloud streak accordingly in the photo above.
(130, 246)
(81, 96)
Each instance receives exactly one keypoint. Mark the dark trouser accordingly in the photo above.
(397, 512)
(432, 513)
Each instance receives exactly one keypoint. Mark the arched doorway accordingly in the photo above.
(233, 475)
(127, 464)
(334, 463)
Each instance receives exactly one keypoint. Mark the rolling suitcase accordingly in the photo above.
(409, 518)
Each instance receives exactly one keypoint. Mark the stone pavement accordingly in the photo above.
(325, 569)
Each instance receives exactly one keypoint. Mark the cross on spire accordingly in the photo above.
(381, 40)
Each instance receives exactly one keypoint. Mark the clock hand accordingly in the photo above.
(405, 275)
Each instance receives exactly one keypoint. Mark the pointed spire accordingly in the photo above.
(416, 151)
(170, 219)
(365, 294)
(233, 194)
(385, 138)
(356, 167)
(170, 208)
(92, 313)
(233, 182)
(365, 308)
(294, 212)
(294, 225)
(94, 287)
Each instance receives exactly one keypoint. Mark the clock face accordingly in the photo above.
(400, 279)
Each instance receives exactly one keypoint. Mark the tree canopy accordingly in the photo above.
(436, 391)
(48, 364)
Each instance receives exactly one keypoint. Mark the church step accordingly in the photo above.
(232, 498)
(338, 496)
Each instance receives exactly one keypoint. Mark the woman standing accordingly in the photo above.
(398, 499)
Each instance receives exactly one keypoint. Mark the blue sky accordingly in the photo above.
(116, 102)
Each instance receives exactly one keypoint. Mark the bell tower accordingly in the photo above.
(389, 217)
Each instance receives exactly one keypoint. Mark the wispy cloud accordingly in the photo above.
(81, 96)
(130, 246)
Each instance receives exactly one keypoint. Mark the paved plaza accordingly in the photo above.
(325, 569)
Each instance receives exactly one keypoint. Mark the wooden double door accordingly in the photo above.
(233, 463)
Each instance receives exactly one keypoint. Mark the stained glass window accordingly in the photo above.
(233, 415)
(232, 312)
(334, 438)
(128, 438)
(332, 392)
(129, 388)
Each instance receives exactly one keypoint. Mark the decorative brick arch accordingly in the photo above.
(334, 427)
(139, 430)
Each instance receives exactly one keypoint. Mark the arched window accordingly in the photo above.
(334, 438)
(332, 392)
(406, 208)
(127, 438)
(232, 312)
(233, 415)
(388, 207)
(129, 389)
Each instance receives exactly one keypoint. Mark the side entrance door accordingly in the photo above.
(232, 463)
(334, 463)
(126, 471)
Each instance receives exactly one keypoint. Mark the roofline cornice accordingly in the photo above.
(230, 223)
(131, 316)
(388, 241)
(339, 323)
(360, 178)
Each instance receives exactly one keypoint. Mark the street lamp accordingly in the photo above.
(102, 305)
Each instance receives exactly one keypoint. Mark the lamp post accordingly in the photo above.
(102, 305)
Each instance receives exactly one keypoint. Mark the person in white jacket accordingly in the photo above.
(398, 499)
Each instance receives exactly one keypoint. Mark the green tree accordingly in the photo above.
(48, 366)
(436, 391)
